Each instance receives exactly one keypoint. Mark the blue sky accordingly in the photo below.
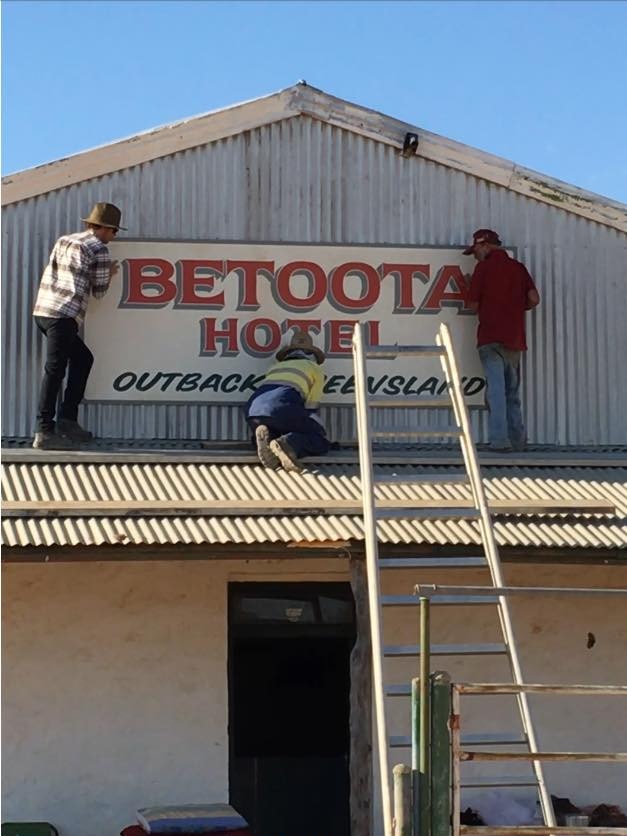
(540, 83)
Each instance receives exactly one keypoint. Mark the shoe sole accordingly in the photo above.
(73, 435)
(287, 462)
(58, 445)
(264, 453)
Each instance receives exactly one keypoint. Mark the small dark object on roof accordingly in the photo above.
(607, 815)
(410, 145)
(471, 817)
(563, 807)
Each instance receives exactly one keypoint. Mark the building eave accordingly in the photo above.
(303, 100)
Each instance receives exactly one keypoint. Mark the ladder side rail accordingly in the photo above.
(469, 453)
(371, 544)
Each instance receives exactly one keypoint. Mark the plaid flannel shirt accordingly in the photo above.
(79, 266)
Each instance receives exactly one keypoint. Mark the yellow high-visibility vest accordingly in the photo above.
(305, 376)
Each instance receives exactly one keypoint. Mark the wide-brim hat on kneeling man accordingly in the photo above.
(105, 214)
(301, 341)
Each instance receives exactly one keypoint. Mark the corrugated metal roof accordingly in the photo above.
(215, 482)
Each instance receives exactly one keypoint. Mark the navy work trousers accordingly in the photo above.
(287, 418)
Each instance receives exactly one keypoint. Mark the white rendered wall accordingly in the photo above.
(114, 680)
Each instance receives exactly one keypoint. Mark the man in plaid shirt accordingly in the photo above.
(79, 267)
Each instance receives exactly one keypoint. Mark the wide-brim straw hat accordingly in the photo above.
(105, 214)
(301, 341)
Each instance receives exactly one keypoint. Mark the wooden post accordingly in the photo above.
(402, 800)
(440, 754)
(424, 714)
(360, 707)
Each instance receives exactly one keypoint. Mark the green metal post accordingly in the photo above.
(440, 754)
(415, 748)
(424, 758)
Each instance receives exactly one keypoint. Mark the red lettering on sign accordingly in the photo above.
(370, 290)
(339, 336)
(189, 281)
(211, 335)
(404, 283)
(372, 332)
(440, 296)
(317, 281)
(248, 271)
(142, 274)
(268, 327)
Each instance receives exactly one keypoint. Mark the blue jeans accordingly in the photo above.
(502, 370)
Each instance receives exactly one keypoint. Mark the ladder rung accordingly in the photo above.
(497, 739)
(439, 600)
(400, 741)
(405, 650)
(399, 402)
(390, 352)
(500, 781)
(449, 432)
(426, 513)
(431, 562)
(418, 479)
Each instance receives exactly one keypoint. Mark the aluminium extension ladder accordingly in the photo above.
(453, 399)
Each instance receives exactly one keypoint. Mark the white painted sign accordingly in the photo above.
(193, 321)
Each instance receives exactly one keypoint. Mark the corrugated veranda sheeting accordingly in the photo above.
(212, 482)
(304, 180)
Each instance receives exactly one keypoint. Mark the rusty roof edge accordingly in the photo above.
(605, 556)
(465, 158)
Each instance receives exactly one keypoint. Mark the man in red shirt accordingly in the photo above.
(501, 291)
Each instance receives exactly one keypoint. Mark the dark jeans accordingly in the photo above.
(64, 347)
(304, 435)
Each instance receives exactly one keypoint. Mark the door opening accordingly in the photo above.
(289, 698)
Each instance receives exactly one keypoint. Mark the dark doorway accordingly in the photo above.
(289, 698)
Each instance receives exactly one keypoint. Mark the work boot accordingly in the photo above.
(285, 454)
(501, 445)
(49, 440)
(73, 430)
(264, 453)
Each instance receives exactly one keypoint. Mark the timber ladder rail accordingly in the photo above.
(478, 510)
